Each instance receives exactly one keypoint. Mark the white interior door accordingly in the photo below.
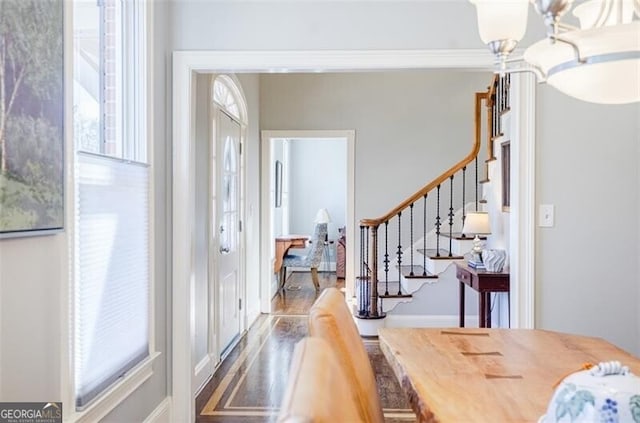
(228, 227)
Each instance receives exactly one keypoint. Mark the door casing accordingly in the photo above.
(186, 64)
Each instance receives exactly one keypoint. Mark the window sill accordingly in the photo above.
(116, 394)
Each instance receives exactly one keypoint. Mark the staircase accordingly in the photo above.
(416, 241)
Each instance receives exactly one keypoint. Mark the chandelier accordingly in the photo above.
(598, 62)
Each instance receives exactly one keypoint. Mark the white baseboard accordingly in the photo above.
(161, 414)
(428, 321)
(321, 268)
(252, 316)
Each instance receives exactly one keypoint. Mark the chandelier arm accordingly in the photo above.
(514, 60)
(575, 47)
(540, 76)
(567, 27)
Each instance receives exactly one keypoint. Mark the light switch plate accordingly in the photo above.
(545, 215)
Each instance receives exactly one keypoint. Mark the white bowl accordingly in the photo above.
(608, 392)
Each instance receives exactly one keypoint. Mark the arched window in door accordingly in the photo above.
(227, 96)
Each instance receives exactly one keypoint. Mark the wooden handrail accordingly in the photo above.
(446, 175)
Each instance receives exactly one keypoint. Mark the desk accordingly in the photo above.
(282, 246)
(485, 283)
(488, 375)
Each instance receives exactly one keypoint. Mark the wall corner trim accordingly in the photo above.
(161, 414)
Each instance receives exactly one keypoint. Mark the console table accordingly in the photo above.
(485, 283)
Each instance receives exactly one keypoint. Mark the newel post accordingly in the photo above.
(373, 260)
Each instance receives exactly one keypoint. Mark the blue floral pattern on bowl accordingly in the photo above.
(572, 401)
(606, 393)
(609, 411)
(634, 407)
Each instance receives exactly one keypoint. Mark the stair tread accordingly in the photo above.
(419, 272)
(458, 236)
(384, 296)
(432, 253)
(392, 287)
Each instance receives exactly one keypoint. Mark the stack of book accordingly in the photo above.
(475, 264)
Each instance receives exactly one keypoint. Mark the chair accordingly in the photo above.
(317, 389)
(330, 319)
(313, 258)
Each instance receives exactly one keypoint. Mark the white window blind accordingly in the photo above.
(112, 272)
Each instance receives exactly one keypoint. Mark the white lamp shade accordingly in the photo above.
(589, 11)
(598, 80)
(322, 216)
(476, 223)
(501, 19)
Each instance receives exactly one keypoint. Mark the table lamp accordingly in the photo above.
(476, 223)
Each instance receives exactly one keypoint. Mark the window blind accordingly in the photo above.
(112, 272)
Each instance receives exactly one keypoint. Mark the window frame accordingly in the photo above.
(139, 151)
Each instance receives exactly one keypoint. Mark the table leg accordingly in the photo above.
(482, 315)
(487, 307)
(282, 275)
(461, 305)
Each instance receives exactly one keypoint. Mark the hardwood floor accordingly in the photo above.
(249, 384)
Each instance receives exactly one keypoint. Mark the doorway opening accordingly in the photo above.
(304, 173)
(188, 64)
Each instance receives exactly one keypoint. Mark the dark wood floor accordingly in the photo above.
(249, 384)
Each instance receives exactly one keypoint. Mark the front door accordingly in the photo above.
(227, 206)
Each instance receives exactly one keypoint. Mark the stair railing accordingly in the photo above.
(495, 101)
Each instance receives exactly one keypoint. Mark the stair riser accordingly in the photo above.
(461, 247)
(438, 266)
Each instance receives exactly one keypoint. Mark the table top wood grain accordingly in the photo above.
(488, 375)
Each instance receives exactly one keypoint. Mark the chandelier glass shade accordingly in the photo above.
(501, 19)
(598, 62)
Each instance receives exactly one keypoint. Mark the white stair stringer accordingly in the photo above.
(411, 285)
(388, 304)
(437, 266)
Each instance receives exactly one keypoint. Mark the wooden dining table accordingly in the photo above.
(488, 375)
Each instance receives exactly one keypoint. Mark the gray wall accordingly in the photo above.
(587, 278)
(410, 127)
(292, 25)
(201, 232)
(31, 273)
